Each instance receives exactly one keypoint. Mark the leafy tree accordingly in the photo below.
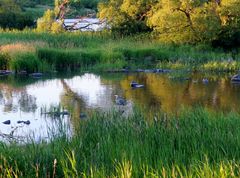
(185, 21)
(44, 24)
(9, 6)
(48, 22)
(126, 16)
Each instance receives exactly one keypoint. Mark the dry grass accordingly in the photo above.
(21, 47)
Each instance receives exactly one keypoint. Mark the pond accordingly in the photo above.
(32, 105)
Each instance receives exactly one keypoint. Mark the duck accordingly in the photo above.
(120, 101)
(134, 84)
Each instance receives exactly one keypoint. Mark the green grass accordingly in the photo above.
(26, 62)
(196, 143)
(103, 51)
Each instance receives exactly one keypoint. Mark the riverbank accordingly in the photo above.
(38, 52)
(196, 143)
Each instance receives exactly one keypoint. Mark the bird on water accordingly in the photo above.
(134, 84)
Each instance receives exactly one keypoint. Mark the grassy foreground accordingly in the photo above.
(195, 143)
(42, 52)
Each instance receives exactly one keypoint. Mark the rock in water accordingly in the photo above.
(82, 115)
(5, 72)
(236, 78)
(26, 122)
(36, 75)
(120, 101)
(7, 122)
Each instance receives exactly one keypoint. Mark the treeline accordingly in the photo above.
(185, 21)
(18, 14)
(172, 21)
(14, 13)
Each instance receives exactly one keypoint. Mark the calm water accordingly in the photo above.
(23, 98)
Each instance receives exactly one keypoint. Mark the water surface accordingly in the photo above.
(24, 98)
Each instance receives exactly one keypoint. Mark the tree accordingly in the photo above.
(126, 16)
(11, 15)
(49, 23)
(9, 6)
(229, 35)
(44, 24)
(185, 21)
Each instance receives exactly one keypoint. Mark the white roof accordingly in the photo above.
(85, 24)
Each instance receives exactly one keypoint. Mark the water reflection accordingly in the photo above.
(22, 99)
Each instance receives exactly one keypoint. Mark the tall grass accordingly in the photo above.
(73, 50)
(195, 143)
(26, 62)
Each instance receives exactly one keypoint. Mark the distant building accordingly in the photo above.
(85, 24)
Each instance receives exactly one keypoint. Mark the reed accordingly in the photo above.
(102, 50)
(195, 143)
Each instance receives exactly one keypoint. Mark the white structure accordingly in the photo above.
(84, 24)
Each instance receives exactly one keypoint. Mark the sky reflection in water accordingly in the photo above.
(78, 94)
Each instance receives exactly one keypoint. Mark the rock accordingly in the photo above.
(236, 78)
(36, 75)
(124, 70)
(139, 70)
(158, 70)
(5, 72)
(127, 67)
(166, 70)
(82, 115)
(22, 72)
(64, 113)
(7, 122)
(24, 122)
(120, 101)
(149, 71)
(162, 70)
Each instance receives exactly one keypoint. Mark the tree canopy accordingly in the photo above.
(178, 21)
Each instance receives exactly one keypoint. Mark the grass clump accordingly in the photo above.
(26, 62)
(63, 60)
(229, 65)
(196, 143)
(4, 61)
